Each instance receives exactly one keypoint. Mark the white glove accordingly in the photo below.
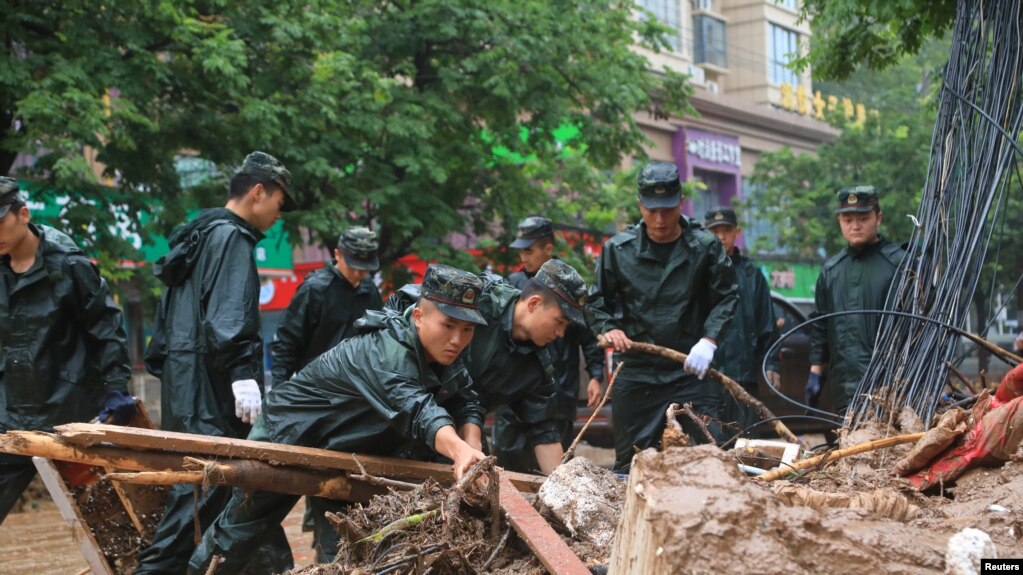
(700, 357)
(247, 402)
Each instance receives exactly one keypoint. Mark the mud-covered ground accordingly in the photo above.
(705, 516)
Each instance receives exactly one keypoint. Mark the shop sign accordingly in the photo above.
(715, 151)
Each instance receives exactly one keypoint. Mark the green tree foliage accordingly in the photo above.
(387, 112)
(890, 150)
(872, 33)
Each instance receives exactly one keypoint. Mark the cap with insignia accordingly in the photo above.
(9, 194)
(857, 199)
(265, 165)
(455, 292)
(531, 229)
(720, 216)
(659, 186)
(568, 285)
(358, 246)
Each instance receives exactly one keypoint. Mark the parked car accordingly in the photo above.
(794, 352)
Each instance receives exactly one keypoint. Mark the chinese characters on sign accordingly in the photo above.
(715, 151)
(798, 100)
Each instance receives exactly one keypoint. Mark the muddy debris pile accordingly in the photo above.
(692, 510)
(461, 529)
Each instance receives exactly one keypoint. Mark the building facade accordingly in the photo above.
(750, 103)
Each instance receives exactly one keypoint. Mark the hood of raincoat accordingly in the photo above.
(175, 266)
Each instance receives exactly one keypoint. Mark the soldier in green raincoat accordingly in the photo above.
(63, 355)
(857, 278)
(324, 309)
(665, 281)
(508, 361)
(746, 339)
(207, 347)
(535, 242)
(399, 389)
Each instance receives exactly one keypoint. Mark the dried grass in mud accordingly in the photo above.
(989, 499)
(470, 545)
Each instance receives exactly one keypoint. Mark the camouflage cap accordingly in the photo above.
(857, 199)
(265, 165)
(720, 216)
(568, 285)
(659, 185)
(530, 230)
(457, 293)
(359, 246)
(9, 194)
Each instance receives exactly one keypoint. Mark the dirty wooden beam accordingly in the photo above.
(258, 476)
(275, 453)
(266, 477)
(545, 543)
(38, 443)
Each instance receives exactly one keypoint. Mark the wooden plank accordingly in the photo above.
(80, 531)
(87, 434)
(37, 443)
(542, 540)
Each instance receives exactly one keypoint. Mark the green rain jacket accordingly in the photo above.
(751, 332)
(321, 315)
(855, 279)
(673, 305)
(207, 332)
(503, 371)
(373, 393)
(62, 339)
(564, 355)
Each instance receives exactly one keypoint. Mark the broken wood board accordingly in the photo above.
(87, 434)
(542, 540)
(69, 510)
(37, 443)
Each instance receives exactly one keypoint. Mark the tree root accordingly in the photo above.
(458, 492)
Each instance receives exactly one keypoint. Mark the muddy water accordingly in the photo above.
(38, 542)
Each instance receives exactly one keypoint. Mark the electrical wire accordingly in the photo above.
(964, 211)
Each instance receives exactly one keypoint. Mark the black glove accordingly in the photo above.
(812, 391)
(118, 407)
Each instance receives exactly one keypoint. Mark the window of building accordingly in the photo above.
(667, 12)
(784, 47)
(709, 45)
(790, 4)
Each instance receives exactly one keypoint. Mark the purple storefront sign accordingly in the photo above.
(715, 157)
